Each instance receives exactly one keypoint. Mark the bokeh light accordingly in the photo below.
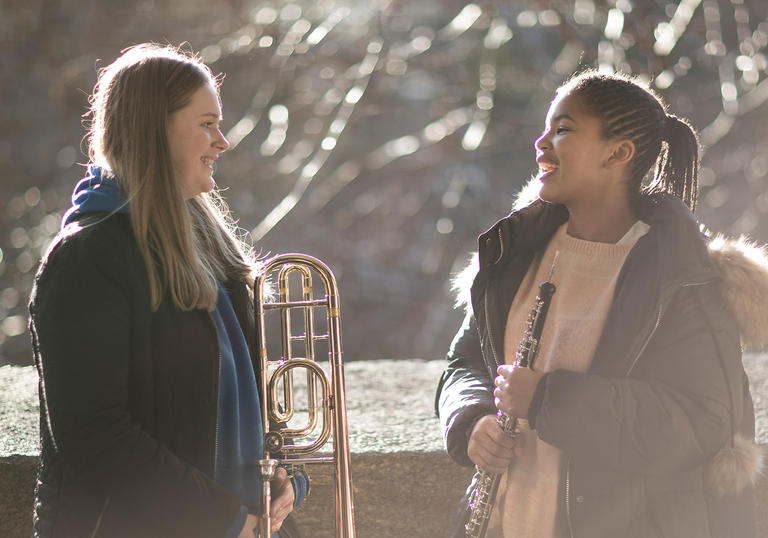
(379, 136)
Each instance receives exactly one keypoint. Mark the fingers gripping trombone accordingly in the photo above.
(326, 417)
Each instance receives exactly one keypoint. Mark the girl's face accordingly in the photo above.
(572, 154)
(196, 141)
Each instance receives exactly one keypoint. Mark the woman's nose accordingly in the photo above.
(222, 143)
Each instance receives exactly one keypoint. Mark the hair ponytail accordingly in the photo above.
(678, 164)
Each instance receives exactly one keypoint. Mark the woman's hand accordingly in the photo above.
(489, 447)
(281, 505)
(282, 498)
(514, 391)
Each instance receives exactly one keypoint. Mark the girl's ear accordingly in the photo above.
(622, 153)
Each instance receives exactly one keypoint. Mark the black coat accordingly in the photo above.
(665, 393)
(129, 397)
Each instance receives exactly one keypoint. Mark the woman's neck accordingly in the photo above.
(605, 224)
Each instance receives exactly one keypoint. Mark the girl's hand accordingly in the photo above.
(489, 447)
(514, 391)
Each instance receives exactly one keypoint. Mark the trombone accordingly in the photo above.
(284, 445)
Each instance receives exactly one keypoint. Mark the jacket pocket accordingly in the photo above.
(676, 505)
(606, 504)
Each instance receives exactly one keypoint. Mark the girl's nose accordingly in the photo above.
(542, 142)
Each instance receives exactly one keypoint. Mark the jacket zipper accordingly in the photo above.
(485, 305)
(216, 445)
(98, 519)
(501, 247)
(568, 497)
(218, 388)
(490, 333)
(646, 341)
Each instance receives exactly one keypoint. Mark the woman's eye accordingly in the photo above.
(561, 130)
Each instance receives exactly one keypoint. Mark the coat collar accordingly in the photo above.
(684, 254)
(681, 245)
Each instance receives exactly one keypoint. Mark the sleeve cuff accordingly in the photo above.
(536, 401)
(457, 435)
(301, 485)
(237, 526)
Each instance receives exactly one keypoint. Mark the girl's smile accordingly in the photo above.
(574, 158)
(546, 168)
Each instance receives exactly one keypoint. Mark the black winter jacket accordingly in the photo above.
(128, 396)
(658, 435)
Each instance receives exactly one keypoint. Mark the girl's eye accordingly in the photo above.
(561, 130)
(208, 124)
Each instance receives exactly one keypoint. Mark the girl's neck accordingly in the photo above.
(606, 224)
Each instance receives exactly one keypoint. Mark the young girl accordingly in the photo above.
(142, 322)
(639, 417)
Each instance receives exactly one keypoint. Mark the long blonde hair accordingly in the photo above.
(185, 245)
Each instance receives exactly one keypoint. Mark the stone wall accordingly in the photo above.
(404, 484)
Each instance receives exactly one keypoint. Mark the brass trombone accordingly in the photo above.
(283, 446)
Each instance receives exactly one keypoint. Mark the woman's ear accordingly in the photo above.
(622, 153)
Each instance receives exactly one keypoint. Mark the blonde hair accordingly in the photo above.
(185, 245)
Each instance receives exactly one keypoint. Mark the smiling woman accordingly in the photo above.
(195, 141)
(142, 326)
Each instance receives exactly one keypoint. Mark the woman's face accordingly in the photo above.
(196, 141)
(571, 154)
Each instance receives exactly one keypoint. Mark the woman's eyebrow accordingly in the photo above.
(563, 117)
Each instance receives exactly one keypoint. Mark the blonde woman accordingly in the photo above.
(141, 320)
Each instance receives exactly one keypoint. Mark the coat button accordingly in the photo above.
(579, 498)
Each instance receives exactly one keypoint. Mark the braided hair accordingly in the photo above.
(627, 109)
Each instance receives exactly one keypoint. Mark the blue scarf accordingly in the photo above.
(98, 191)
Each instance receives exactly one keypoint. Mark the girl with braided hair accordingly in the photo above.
(638, 416)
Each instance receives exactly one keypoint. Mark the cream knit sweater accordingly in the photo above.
(585, 277)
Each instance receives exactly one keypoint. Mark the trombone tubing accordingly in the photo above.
(343, 486)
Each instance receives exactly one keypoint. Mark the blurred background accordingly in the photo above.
(381, 136)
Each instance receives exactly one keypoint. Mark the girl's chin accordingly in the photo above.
(544, 188)
(548, 194)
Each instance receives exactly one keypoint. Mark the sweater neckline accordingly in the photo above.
(568, 243)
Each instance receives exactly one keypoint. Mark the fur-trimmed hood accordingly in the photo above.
(743, 266)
